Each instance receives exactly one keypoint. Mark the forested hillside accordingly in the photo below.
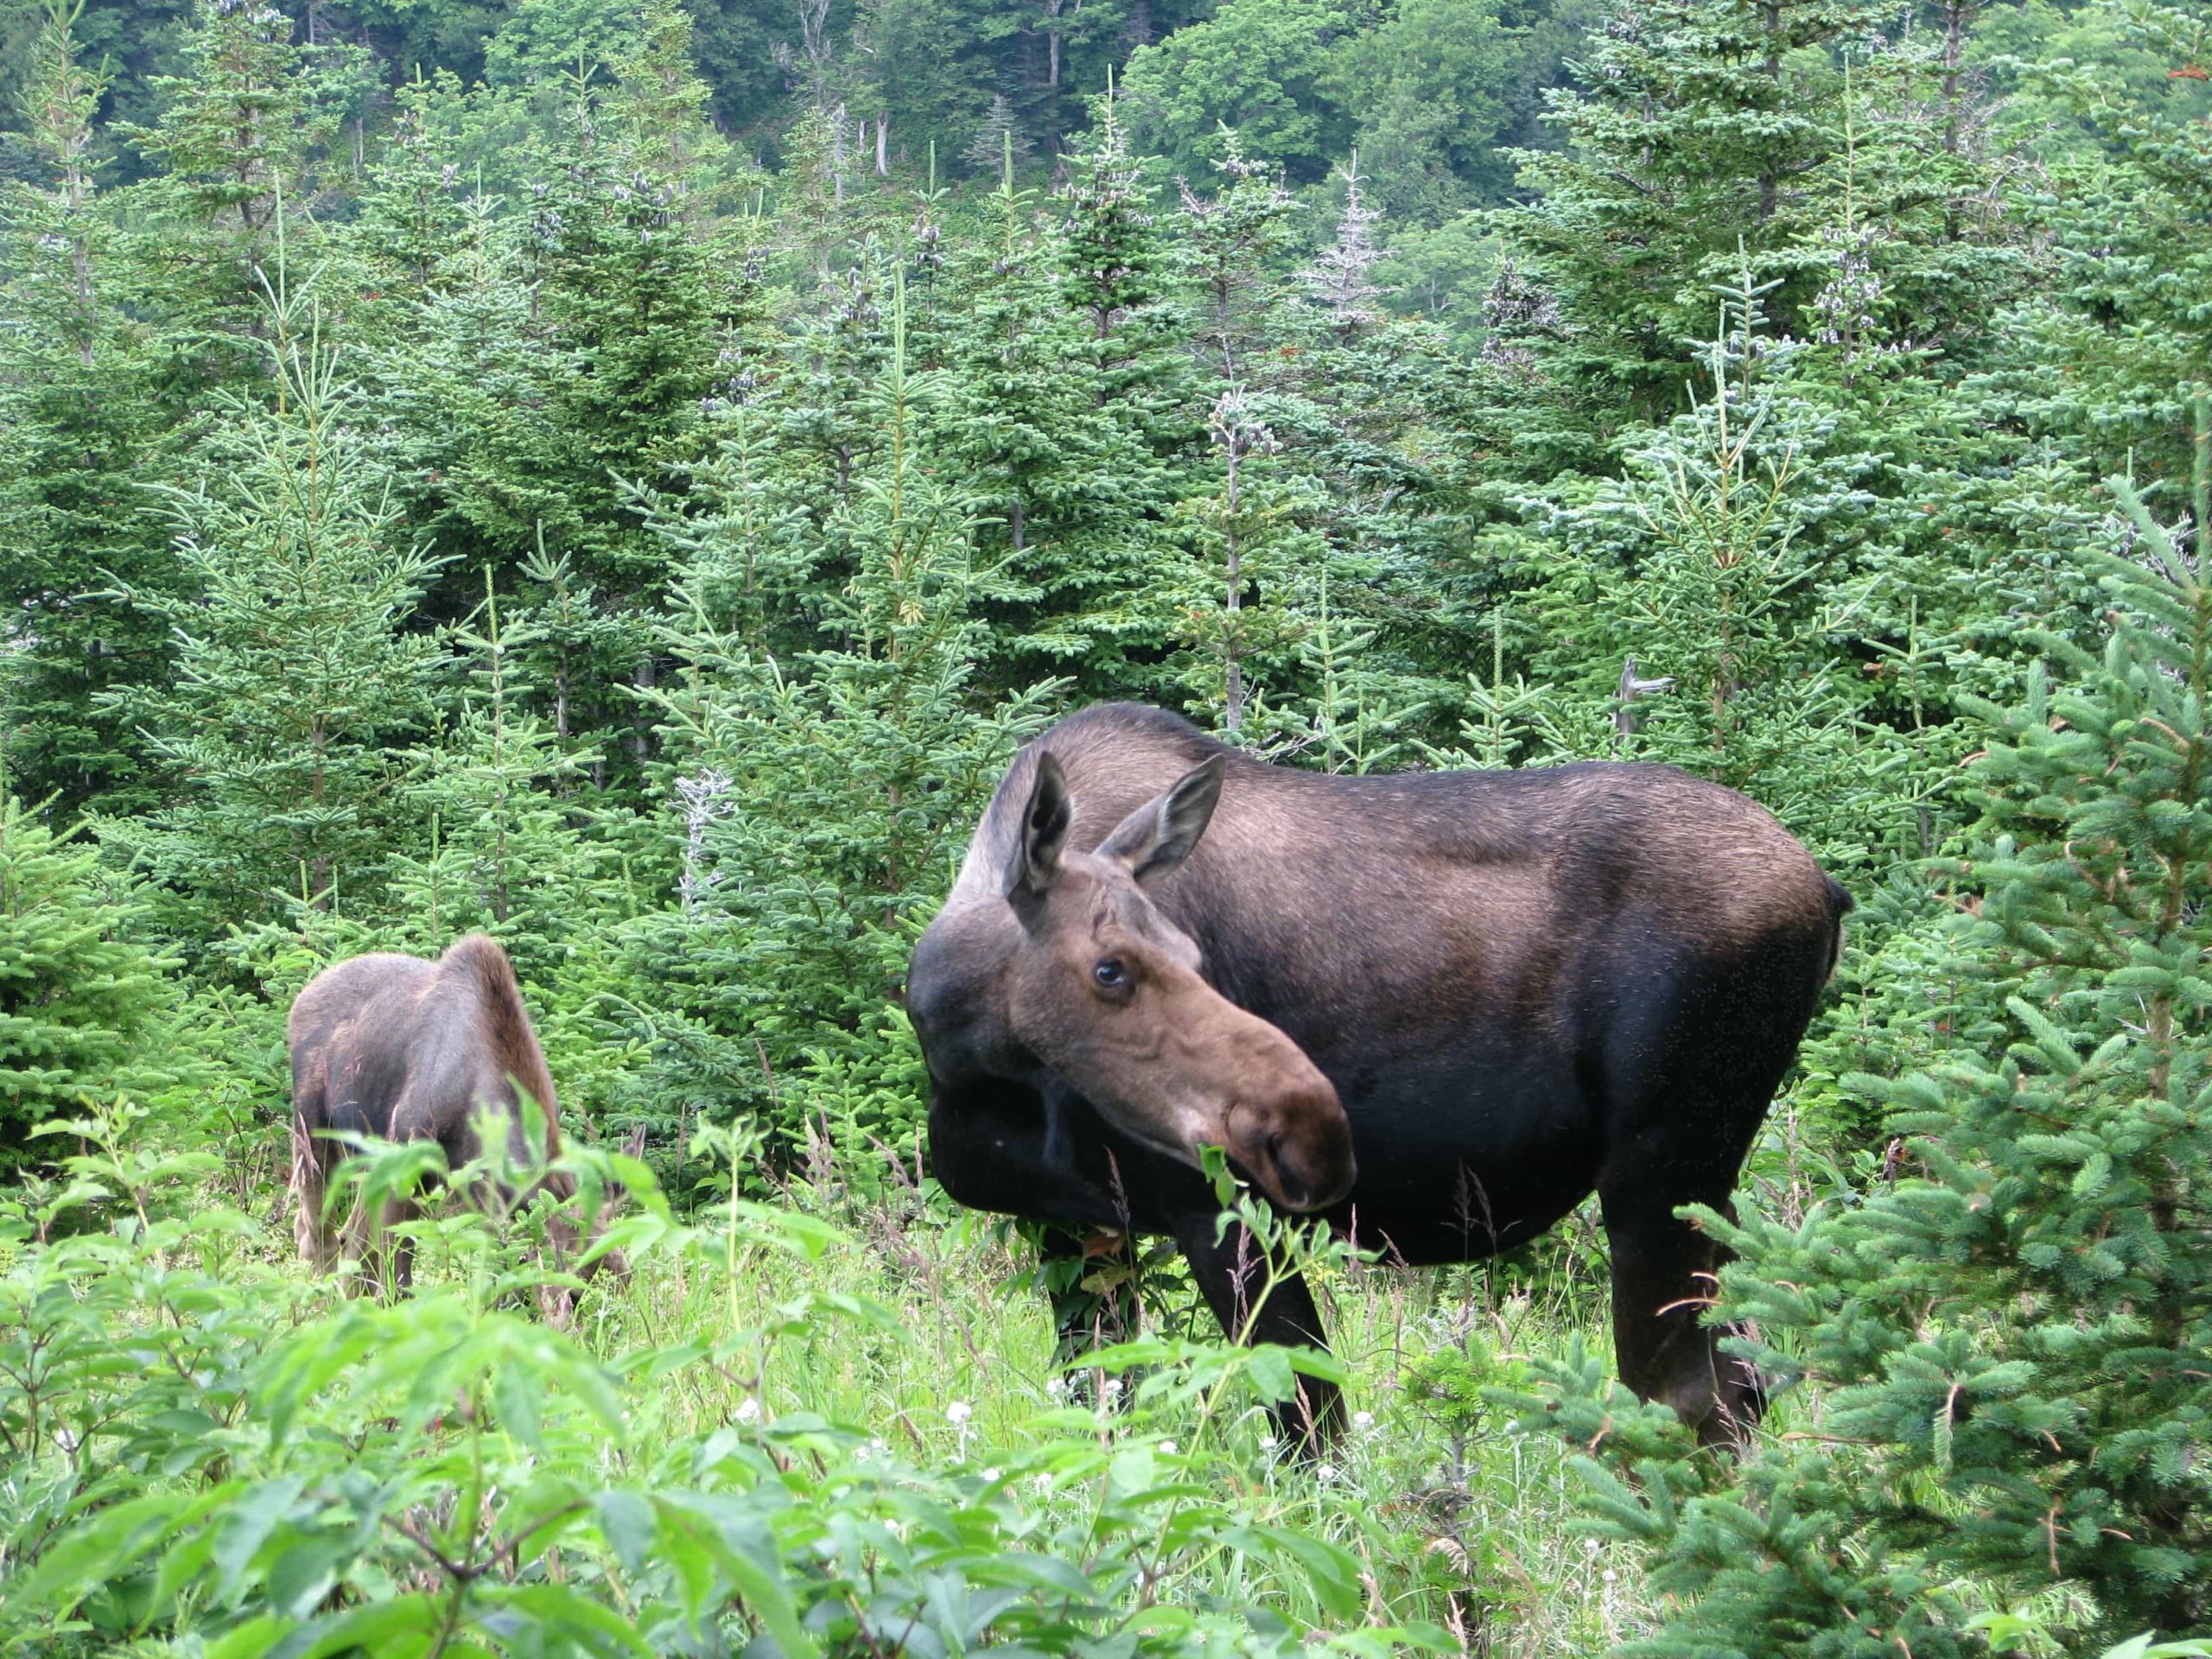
(625, 479)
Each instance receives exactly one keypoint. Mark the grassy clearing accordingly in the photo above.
(1454, 1519)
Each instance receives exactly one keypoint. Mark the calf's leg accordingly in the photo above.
(381, 1260)
(310, 1191)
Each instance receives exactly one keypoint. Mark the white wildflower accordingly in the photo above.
(1327, 1473)
(1167, 1448)
(1362, 1420)
(749, 1412)
(991, 1474)
(958, 1412)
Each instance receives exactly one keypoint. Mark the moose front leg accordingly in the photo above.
(1046, 1160)
(1235, 1281)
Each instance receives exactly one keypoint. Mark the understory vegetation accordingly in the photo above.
(626, 478)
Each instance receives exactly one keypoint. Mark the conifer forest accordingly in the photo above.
(626, 477)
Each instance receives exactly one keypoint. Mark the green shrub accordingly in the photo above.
(209, 1457)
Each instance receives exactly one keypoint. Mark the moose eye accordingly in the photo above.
(1111, 974)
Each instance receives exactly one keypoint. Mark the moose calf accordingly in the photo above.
(407, 1050)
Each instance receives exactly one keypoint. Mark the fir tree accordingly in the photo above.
(563, 352)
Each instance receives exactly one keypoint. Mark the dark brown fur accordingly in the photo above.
(402, 1049)
(1522, 986)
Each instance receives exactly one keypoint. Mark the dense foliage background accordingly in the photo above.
(625, 477)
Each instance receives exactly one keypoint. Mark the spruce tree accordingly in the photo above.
(824, 791)
(1699, 574)
(1248, 543)
(508, 849)
(1102, 561)
(1693, 139)
(414, 220)
(235, 144)
(80, 429)
(1019, 428)
(627, 292)
(296, 679)
(2103, 355)
(1232, 241)
(1342, 276)
(1993, 1369)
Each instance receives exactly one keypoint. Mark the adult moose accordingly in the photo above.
(1439, 1008)
(408, 1050)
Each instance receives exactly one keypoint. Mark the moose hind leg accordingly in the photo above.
(1230, 1274)
(1664, 1272)
(311, 1228)
(1694, 1078)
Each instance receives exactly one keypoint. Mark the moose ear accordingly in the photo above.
(1158, 835)
(1044, 832)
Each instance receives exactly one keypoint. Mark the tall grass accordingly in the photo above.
(211, 1451)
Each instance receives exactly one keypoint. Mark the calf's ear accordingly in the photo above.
(1044, 833)
(1158, 835)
